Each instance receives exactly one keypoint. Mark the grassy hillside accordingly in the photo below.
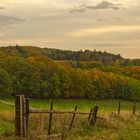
(112, 127)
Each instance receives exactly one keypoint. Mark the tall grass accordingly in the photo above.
(111, 127)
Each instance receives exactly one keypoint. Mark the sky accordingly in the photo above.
(106, 25)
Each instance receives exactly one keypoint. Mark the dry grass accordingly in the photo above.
(109, 127)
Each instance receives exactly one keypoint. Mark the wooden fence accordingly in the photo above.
(22, 111)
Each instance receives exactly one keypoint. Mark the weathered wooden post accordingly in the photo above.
(27, 112)
(50, 118)
(90, 113)
(20, 116)
(73, 118)
(134, 109)
(94, 116)
(119, 108)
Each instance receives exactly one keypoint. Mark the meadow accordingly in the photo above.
(112, 127)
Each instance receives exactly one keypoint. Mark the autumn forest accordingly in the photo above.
(52, 73)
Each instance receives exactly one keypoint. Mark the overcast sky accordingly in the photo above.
(106, 25)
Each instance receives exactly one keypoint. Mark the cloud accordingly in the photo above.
(100, 6)
(79, 9)
(105, 30)
(2, 8)
(1, 34)
(8, 20)
(105, 5)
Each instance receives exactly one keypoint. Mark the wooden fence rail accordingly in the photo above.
(38, 111)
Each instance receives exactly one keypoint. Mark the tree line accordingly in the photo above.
(107, 59)
(39, 76)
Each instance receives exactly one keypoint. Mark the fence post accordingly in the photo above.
(119, 108)
(89, 117)
(20, 116)
(50, 118)
(27, 112)
(94, 116)
(134, 109)
(73, 118)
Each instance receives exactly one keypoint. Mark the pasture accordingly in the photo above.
(83, 104)
(112, 127)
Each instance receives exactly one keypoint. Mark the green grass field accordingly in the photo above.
(83, 104)
(123, 127)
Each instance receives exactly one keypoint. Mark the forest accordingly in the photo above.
(52, 73)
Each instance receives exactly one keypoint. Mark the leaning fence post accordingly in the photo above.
(94, 116)
(90, 113)
(50, 119)
(134, 109)
(73, 117)
(119, 108)
(20, 116)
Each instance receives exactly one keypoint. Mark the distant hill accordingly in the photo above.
(57, 54)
